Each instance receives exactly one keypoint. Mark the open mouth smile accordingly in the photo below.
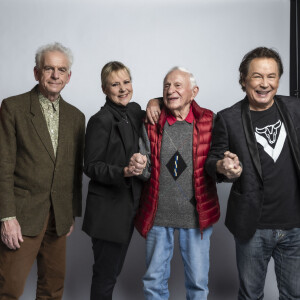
(123, 96)
(263, 94)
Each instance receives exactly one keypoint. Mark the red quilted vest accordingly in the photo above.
(204, 186)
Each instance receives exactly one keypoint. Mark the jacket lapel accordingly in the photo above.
(250, 138)
(121, 127)
(39, 123)
(62, 128)
(135, 121)
(123, 134)
(290, 129)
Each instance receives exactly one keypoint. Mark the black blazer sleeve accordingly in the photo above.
(219, 145)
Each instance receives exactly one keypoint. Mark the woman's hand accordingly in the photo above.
(137, 164)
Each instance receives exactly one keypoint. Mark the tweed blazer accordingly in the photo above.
(32, 178)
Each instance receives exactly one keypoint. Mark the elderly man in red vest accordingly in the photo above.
(179, 194)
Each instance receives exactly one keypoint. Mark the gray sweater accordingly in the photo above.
(176, 202)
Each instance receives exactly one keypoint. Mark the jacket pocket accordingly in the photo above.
(242, 213)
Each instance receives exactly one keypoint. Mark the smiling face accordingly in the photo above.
(261, 83)
(118, 87)
(53, 74)
(178, 93)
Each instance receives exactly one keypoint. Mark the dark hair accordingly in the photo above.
(112, 66)
(259, 52)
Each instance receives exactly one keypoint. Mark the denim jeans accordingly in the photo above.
(195, 256)
(254, 255)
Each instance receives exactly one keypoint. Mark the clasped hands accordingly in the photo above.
(137, 164)
(229, 165)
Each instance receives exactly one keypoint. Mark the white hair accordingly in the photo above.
(182, 69)
(53, 47)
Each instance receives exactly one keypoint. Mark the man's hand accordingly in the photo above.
(71, 229)
(229, 166)
(153, 111)
(11, 234)
(136, 165)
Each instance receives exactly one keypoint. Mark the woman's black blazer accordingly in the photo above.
(112, 200)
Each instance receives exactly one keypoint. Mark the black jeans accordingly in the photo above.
(109, 259)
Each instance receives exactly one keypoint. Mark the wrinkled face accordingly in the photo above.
(177, 92)
(261, 83)
(53, 74)
(119, 87)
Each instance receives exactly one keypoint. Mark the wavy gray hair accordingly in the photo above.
(182, 69)
(53, 47)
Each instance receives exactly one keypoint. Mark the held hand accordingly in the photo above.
(138, 161)
(136, 165)
(234, 157)
(229, 166)
(153, 111)
(11, 234)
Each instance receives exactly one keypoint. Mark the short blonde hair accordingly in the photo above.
(112, 66)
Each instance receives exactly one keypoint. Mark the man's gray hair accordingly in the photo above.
(182, 69)
(53, 47)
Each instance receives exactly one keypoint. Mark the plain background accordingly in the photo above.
(209, 37)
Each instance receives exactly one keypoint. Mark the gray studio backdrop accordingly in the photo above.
(209, 37)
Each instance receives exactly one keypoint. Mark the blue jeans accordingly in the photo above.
(254, 255)
(195, 256)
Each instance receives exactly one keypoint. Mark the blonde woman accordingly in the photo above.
(113, 163)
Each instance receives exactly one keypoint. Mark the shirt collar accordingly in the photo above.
(46, 102)
(189, 118)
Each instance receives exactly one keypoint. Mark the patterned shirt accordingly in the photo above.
(50, 111)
